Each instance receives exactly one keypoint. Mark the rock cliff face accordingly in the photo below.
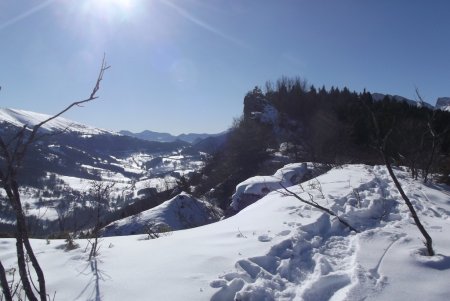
(257, 107)
(254, 103)
(443, 103)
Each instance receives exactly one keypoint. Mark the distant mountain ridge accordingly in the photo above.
(20, 118)
(166, 137)
(381, 96)
(76, 150)
(442, 103)
(68, 157)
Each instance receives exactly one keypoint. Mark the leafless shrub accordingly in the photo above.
(154, 230)
(12, 152)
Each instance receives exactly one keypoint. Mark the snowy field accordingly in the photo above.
(275, 249)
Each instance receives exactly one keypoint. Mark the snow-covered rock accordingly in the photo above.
(443, 103)
(256, 106)
(181, 212)
(254, 188)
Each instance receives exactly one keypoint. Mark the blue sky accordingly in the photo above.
(185, 65)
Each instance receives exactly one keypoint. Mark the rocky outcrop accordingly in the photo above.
(443, 103)
(254, 102)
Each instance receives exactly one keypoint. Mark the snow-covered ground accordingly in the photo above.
(274, 249)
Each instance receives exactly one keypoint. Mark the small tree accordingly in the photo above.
(382, 139)
(12, 153)
(100, 193)
(437, 136)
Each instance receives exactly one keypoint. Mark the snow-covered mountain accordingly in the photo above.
(76, 148)
(20, 118)
(442, 103)
(380, 96)
(275, 249)
(65, 164)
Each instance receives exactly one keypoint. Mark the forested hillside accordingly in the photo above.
(291, 121)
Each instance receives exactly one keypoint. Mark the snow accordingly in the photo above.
(275, 249)
(443, 103)
(181, 212)
(259, 186)
(22, 117)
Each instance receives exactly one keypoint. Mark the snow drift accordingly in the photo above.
(181, 212)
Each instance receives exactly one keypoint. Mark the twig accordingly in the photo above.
(316, 205)
(241, 234)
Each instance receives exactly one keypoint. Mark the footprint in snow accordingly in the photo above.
(228, 291)
(284, 233)
(218, 283)
(264, 238)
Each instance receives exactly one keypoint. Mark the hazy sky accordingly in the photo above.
(185, 65)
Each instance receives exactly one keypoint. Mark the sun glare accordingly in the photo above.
(111, 9)
(100, 19)
(117, 4)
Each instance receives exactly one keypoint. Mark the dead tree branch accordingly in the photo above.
(4, 283)
(436, 139)
(13, 153)
(382, 148)
(313, 203)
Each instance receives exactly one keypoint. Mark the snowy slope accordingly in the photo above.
(275, 249)
(181, 212)
(20, 118)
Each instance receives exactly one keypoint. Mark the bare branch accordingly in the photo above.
(53, 133)
(4, 282)
(13, 153)
(316, 205)
(92, 96)
(383, 151)
(419, 96)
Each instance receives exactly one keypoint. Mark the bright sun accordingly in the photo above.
(110, 10)
(118, 4)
